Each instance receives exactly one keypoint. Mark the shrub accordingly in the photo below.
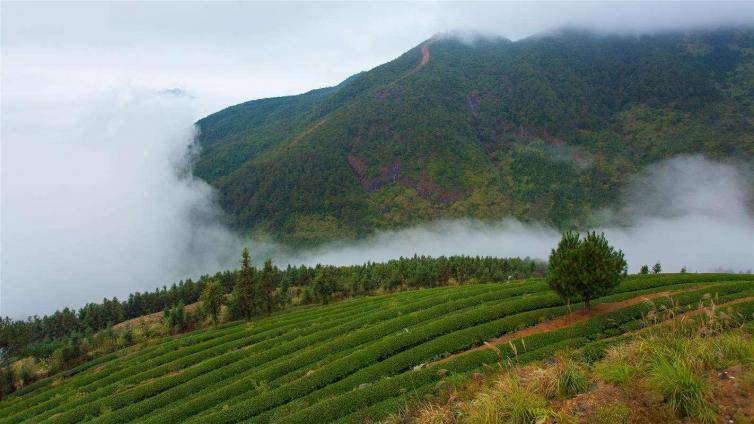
(510, 402)
(684, 391)
(572, 377)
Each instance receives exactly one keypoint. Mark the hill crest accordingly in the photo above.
(546, 128)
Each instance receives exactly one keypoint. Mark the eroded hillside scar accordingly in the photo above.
(425, 56)
(423, 61)
(566, 320)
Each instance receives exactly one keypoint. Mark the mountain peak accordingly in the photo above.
(546, 128)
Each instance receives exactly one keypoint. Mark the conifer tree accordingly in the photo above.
(212, 300)
(585, 269)
(243, 301)
(324, 283)
(267, 282)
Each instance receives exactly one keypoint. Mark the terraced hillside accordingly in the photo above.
(352, 360)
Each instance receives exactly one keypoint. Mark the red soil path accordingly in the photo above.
(566, 320)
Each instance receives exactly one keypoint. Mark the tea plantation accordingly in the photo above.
(348, 361)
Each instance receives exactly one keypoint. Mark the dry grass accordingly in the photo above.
(676, 370)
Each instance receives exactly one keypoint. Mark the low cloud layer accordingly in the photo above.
(686, 211)
(101, 205)
(229, 52)
(98, 204)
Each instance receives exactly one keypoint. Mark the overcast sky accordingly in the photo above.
(91, 205)
(224, 53)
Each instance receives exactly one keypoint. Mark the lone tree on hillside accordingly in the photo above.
(243, 301)
(644, 269)
(584, 268)
(657, 268)
(212, 300)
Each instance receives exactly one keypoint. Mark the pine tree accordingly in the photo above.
(212, 300)
(324, 284)
(243, 293)
(585, 269)
(563, 261)
(267, 282)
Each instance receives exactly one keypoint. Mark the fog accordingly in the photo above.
(98, 105)
(101, 205)
(686, 211)
(229, 52)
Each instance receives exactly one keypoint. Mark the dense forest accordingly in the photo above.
(69, 336)
(546, 128)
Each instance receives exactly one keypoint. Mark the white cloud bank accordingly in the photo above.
(97, 204)
(102, 207)
(686, 211)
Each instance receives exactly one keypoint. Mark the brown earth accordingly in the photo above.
(151, 318)
(566, 321)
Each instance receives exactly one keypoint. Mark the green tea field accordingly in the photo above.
(353, 360)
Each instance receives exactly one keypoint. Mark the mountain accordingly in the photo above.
(546, 128)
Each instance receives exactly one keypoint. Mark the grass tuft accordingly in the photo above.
(685, 392)
(508, 401)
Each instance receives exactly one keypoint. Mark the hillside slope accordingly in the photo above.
(355, 359)
(546, 128)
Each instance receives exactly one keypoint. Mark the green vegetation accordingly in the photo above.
(584, 269)
(66, 338)
(243, 300)
(212, 300)
(357, 358)
(546, 128)
(672, 370)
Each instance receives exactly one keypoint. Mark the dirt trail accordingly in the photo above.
(567, 320)
(424, 60)
(307, 131)
(688, 314)
(425, 56)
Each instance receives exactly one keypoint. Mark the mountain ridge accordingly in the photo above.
(545, 128)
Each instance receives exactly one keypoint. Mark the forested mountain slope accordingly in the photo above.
(546, 128)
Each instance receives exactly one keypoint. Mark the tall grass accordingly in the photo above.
(686, 392)
(667, 363)
(673, 357)
(508, 401)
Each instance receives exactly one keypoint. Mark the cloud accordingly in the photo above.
(686, 211)
(98, 203)
(94, 199)
(229, 52)
(104, 207)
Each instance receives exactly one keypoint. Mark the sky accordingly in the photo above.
(225, 53)
(98, 101)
